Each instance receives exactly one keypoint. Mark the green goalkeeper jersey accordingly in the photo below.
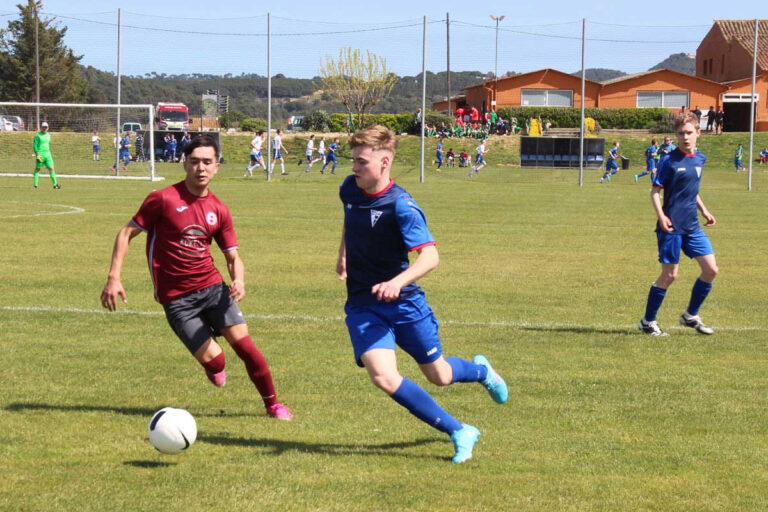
(42, 144)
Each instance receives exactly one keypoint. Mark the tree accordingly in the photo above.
(60, 77)
(356, 82)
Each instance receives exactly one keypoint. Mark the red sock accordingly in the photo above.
(215, 365)
(257, 369)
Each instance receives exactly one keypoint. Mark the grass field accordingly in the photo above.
(545, 278)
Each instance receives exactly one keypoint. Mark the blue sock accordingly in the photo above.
(698, 294)
(421, 404)
(655, 298)
(466, 371)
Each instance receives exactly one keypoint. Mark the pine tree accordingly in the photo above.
(60, 76)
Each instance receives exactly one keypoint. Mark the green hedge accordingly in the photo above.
(253, 124)
(616, 118)
(398, 123)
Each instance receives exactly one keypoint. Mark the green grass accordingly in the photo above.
(545, 278)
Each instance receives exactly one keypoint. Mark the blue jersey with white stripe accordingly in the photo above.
(379, 232)
(679, 175)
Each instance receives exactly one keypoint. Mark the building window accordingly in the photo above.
(704, 68)
(664, 99)
(546, 98)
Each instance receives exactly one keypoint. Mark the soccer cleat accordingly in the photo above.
(113, 169)
(125, 168)
(283, 173)
(218, 379)
(56, 187)
(495, 385)
(34, 186)
(651, 328)
(464, 441)
(279, 411)
(694, 322)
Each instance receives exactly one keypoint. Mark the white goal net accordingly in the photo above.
(87, 140)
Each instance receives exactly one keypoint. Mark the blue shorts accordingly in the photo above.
(693, 245)
(737, 162)
(479, 159)
(650, 165)
(611, 165)
(331, 157)
(276, 154)
(408, 323)
(255, 157)
(96, 148)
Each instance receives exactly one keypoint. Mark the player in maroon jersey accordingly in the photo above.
(180, 222)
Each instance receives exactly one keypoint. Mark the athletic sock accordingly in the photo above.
(466, 371)
(52, 173)
(655, 298)
(698, 294)
(215, 365)
(421, 404)
(36, 177)
(257, 369)
(282, 167)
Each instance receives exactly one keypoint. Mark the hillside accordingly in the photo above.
(600, 74)
(682, 62)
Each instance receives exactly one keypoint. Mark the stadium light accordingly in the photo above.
(497, 19)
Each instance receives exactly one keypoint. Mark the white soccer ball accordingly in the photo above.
(172, 430)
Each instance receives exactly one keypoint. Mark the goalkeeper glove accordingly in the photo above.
(39, 159)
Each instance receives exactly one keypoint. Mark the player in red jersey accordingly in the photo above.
(180, 222)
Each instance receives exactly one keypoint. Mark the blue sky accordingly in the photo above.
(230, 37)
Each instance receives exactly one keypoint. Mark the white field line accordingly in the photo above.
(69, 209)
(310, 318)
(81, 176)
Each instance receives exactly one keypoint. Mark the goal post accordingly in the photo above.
(75, 128)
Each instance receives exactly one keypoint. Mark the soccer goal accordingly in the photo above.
(86, 139)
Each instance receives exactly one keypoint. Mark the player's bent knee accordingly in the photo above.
(387, 383)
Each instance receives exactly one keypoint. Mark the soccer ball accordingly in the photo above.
(172, 430)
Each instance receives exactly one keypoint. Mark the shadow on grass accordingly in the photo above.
(129, 411)
(148, 464)
(279, 447)
(582, 330)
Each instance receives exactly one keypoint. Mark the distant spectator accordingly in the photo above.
(463, 158)
(417, 120)
(139, 144)
(711, 118)
(719, 120)
(185, 139)
(764, 156)
(697, 112)
(95, 143)
(450, 158)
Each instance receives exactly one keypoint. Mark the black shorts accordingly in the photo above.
(198, 316)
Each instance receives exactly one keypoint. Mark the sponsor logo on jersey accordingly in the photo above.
(375, 214)
(193, 240)
(681, 169)
(181, 208)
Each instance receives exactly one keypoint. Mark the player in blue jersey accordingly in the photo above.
(650, 161)
(172, 144)
(333, 148)
(385, 307)
(764, 156)
(125, 153)
(679, 174)
(738, 158)
(439, 153)
(611, 166)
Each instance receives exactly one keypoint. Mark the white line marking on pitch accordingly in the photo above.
(310, 318)
(70, 209)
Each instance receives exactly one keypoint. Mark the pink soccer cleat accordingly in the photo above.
(218, 379)
(280, 412)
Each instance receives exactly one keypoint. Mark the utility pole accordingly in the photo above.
(497, 19)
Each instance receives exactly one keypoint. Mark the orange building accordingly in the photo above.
(726, 54)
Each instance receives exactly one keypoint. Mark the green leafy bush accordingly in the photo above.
(616, 118)
(253, 124)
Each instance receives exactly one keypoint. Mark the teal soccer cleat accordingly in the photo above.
(463, 441)
(495, 385)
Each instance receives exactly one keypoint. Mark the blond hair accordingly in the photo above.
(377, 137)
(687, 117)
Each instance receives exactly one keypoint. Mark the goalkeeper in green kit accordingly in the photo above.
(42, 147)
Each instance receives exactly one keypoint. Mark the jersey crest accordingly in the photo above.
(375, 214)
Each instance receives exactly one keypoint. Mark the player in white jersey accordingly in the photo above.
(310, 151)
(479, 160)
(257, 159)
(320, 151)
(277, 148)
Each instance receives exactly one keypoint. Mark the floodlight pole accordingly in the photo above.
(448, 57)
(423, 94)
(269, 96)
(37, 67)
(117, 122)
(497, 19)
(752, 107)
(583, 80)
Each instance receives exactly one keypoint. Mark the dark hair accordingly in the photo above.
(201, 141)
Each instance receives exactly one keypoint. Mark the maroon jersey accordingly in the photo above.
(180, 227)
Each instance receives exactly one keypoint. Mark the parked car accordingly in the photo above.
(132, 127)
(6, 125)
(18, 123)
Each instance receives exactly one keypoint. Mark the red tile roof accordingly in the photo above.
(743, 33)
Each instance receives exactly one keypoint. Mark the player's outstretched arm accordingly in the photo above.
(236, 271)
(427, 260)
(341, 262)
(711, 221)
(114, 286)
